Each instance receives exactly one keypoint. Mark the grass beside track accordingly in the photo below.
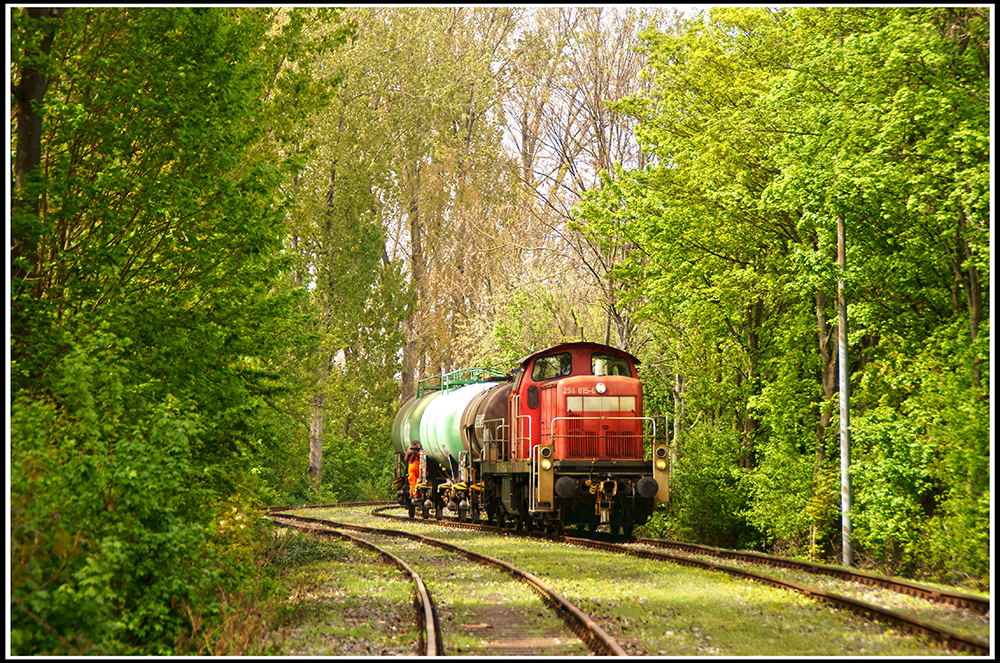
(658, 609)
(345, 602)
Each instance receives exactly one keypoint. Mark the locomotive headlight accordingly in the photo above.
(661, 464)
(601, 387)
(546, 464)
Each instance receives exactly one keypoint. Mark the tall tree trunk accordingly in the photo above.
(751, 422)
(828, 374)
(315, 470)
(678, 392)
(28, 94)
(969, 281)
(408, 375)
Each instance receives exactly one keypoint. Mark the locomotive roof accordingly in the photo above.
(593, 347)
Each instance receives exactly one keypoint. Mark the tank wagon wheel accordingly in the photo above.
(553, 528)
(411, 508)
(425, 510)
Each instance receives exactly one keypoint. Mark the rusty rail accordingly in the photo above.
(947, 638)
(595, 637)
(430, 633)
(972, 602)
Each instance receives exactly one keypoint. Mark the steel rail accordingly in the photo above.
(946, 638)
(337, 505)
(978, 604)
(595, 637)
(430, 639)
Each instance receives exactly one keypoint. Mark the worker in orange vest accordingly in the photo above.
(412, 460)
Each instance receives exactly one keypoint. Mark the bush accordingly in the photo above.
(112, 530)
(709, 494)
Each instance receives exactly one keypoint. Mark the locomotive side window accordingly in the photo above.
(554, 366)
(532, 397)
(602, 364)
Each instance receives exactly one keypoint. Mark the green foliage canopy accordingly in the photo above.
(766, 126)
(149, 322)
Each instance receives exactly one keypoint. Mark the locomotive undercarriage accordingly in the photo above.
(588, 495)
(609, 500)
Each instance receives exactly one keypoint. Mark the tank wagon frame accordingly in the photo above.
(558, 440)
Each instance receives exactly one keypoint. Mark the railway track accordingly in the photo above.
(943, 636)
(645, 548)
(978, 604)
(592, 637)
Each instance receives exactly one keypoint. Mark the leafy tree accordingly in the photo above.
(766, 126)
(149, 322)
(904, 93)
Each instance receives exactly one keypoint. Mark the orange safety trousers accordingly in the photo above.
(414, 476)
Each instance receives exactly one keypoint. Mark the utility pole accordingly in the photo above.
(845, 435)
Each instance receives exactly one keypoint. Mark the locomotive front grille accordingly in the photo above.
(584, 444)
(623, 445)
(581, 443)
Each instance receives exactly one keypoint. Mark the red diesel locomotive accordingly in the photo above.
(558, 441)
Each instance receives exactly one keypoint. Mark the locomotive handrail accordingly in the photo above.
(497, 442)
(500, 426)
(649, 419)
(516, 437)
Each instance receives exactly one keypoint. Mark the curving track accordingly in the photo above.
(596, 640)
(955, 641)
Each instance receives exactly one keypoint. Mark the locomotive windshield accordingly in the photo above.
(553, 366)
(601, 364)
